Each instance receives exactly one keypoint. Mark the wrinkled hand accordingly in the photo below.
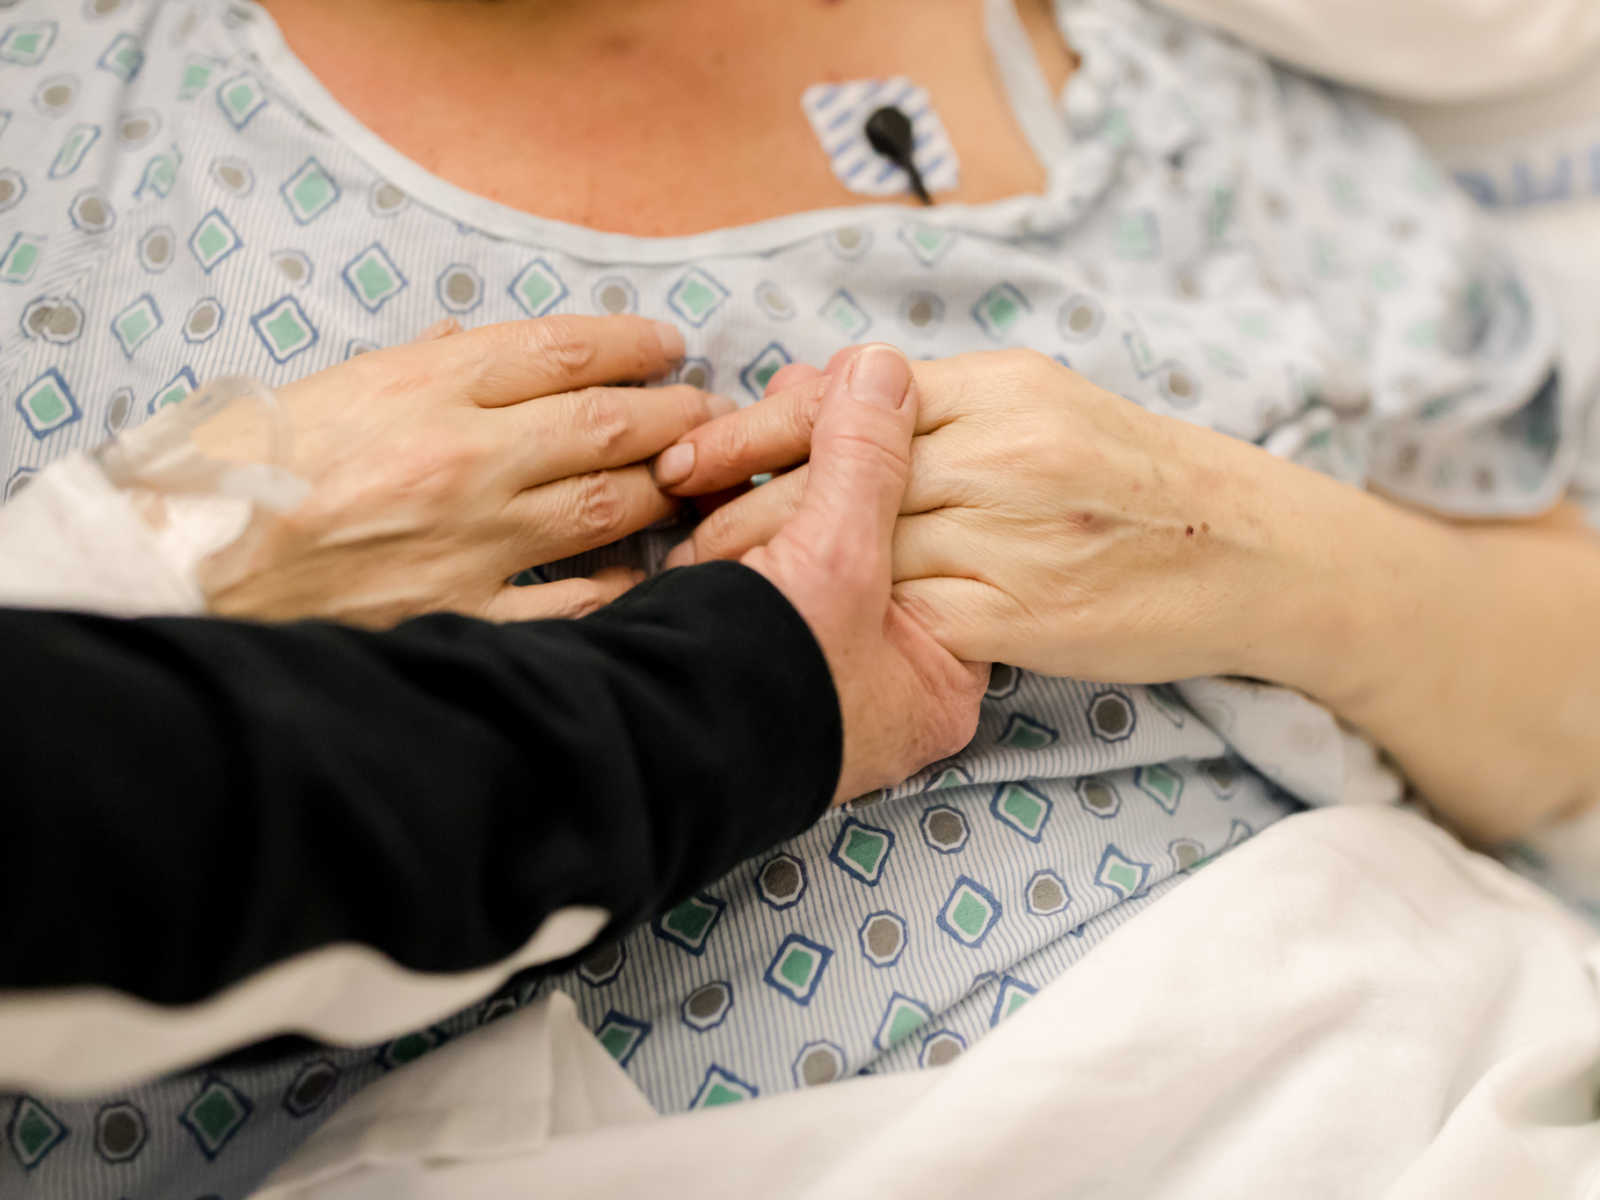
(1048, 523)
(441, 468)
(906, 701)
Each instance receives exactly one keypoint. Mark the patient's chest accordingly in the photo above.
(661, 119)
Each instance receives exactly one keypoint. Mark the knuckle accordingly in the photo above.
(728, 451)
(807, 409)
(565, 342)
(871, 456)
(689, 403)
(713, 536)
(587, 597)
(599, 504)
(602, 419)
(436, 468)
(1025, 365)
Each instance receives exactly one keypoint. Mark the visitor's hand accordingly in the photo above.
(1048, 523)
(441, 468)
(905, 700)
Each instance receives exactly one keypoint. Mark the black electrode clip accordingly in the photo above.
(889, 133)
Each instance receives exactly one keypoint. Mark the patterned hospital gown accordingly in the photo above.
(1220, 241)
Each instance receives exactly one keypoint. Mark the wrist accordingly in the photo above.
(1355, 585)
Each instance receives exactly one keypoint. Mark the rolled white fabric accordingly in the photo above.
(72, 540)
(123, 531)
(1426, 50)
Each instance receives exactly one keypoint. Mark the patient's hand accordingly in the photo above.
(441, 468)
(1050, 524)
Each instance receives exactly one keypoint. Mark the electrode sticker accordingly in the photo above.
(838, 113)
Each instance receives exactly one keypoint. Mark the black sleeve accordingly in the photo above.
(187, 800)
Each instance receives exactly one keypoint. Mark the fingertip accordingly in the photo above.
(880, 375)
(671, 339)
(674, 465)
(841, 359)
(681, 555)
(621, 578)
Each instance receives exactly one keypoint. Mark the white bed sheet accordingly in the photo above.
(1393, 1016)
(1349, 1005)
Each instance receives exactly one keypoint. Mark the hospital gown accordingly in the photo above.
(1220, 241)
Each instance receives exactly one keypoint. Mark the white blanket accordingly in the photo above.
(1393, 1016)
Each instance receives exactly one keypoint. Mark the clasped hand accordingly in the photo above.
(1047, 523)
(438, 469)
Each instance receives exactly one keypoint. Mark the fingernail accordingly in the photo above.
(721, 406)
(880, 377)
(675, 464)
(671, 339)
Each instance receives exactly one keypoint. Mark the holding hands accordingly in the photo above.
(905, 699)
(1047, 523)
(1003, 510)
(440, 468)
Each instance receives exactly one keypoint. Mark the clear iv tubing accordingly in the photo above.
(162, 455)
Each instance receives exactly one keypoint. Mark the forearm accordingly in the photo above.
(223, 796)
(1470, 653)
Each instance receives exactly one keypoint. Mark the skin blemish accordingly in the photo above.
(1188, 530)
(1205, 527)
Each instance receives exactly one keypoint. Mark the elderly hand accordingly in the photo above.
(441, 468)
(905, 700)
(1048, 523)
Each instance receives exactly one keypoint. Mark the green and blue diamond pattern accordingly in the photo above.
(189, 215)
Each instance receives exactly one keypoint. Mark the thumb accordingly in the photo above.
(860, 462)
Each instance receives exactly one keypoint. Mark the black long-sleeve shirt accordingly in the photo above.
(186, 800)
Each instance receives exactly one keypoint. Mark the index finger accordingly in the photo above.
(520, 360)
(598, 429)
(770, 435)
(775, 433)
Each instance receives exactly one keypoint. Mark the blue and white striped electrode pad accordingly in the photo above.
(838, 113)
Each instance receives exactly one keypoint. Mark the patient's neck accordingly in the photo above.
(660, 117)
